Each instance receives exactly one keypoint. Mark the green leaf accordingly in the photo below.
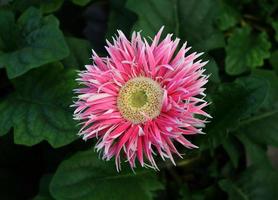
(256, 154)
(274, 61)
(41, 42)
(191, 14)
(235, 192)
(275, 27)
(81, 2)
(233, 102)
(85, 176)
(120, 18)
(44, 193)
(254, 184)
(80, 53)
(229, 15)
(189, 195)
(7, 24)
(258, 89)
(5, 2)
(152, 16)
(46, 6)
(266, 8)
(271, 102)
(51, 6)
(262, 127)
(39, 108)
(232, 150)
(246, 50)
(182, 18)
(6, 113)
(212, 70)
(265, 120)
(42, 197)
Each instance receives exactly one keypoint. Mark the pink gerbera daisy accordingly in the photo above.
(141, 99)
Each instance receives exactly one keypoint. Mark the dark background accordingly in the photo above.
(43, 43)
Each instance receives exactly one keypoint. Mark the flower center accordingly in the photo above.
(140, 99)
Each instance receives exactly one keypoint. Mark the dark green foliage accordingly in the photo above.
(44, 193)
(39, 108)
(98, 180)
(44, 43)
(254, 183)
(245, 51)
(233, 102)
(80, 53)
(37, 41)
(193, 21)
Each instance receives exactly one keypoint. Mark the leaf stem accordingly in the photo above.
(187, 162)
(258, 117)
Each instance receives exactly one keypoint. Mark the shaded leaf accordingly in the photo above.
(182, 18)
(264, 121)
(229, 15)
(198, 24)
(80, 53)
(85, 176)
(81, 2)
(186, 194)
(46, 6)
(51, 6)
(44, 188)
(233, 102)
(7, 24)
(275, 27)
(5, 2)
(256, 154)
(233, 151)
(245, 51)
(274, 61)
(258, 89)
(152, 16)
(212, 70)
(6, 113)
(120, 18)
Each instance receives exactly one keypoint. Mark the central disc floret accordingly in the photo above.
(140, 99)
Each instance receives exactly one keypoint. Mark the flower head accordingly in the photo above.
(141, 99)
